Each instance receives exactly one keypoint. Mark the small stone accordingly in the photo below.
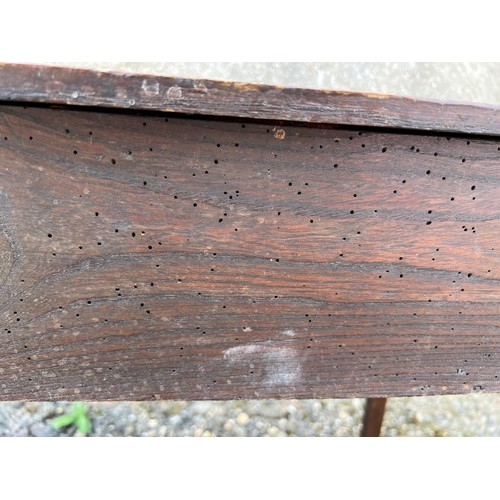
(175, 420)
(31, 407)
(282, 422)
(163, 430)
(242, 418)
(153, 422)
(273, 431)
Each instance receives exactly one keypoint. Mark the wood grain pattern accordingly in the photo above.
(170, 257)
(120, 90)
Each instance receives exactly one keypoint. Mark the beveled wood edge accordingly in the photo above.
(84, 87)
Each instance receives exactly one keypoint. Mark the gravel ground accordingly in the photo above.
(473, 415)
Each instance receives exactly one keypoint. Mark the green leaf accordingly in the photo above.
(83, 424)
(63, 421)
(80, 408)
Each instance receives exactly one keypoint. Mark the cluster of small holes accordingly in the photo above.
(232, 195)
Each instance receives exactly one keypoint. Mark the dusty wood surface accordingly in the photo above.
(374, 416)
(118, 90)
(150, 257)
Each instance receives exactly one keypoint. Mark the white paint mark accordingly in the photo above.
(201, 88)
(281, 365)
(288, 332)
(247, 329)
(150, 88)
(174, 92)
(241, 351)
(74, 95)
(283, 368)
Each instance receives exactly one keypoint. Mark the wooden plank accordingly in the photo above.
(149, 257)
(94, 88)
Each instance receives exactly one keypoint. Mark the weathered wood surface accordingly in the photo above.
(120, 90)
(153, 257)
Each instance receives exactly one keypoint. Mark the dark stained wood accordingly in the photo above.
(155, 257)
(374, 415)
(120, 90)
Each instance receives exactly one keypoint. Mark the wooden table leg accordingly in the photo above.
(374, 414)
